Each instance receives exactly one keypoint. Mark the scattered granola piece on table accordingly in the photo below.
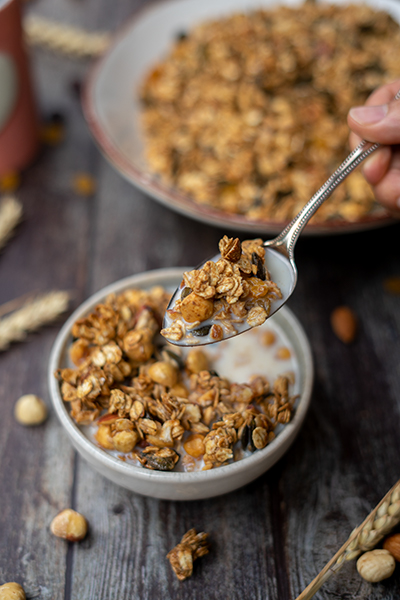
(192, 546)
(10, 181)
(84, 184)
(52, 131)
(392, 285)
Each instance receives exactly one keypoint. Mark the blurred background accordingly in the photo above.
(84, 226)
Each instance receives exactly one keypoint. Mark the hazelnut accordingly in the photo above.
(195, 308)
(79, 351)
(125, 441)
(392, 544)
(70, 525)
(268, 338)
(30, 410)
(196, 361)
(376, 565)
(164, 373)
(344, 324)
(103, 437)
(12, 591)
(194, 445)
(283, 353)
(180, 390)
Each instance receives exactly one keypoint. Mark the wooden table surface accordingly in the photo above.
(269, 539)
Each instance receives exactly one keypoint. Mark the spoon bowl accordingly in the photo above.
(285, 276)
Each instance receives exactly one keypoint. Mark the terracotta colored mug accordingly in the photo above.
(19, 130)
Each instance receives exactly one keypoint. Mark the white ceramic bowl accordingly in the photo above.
(112, 108)
(181, 485)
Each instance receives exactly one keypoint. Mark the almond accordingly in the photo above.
(392, 544)
(108, 419)
(344, 324)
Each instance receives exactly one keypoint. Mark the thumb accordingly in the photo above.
(377, 123)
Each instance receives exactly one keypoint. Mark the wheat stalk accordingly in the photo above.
(379, 522)
(12, 305)
(66, 39)
(10, 216)
(38, 312)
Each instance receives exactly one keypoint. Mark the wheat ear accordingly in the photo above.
(10, 216)
(379, 522)
(66, 39)
(41, 311)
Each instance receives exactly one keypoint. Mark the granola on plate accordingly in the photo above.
(247, 114)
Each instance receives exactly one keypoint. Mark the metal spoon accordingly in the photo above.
(279, 255)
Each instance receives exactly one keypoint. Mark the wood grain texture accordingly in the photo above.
(350, 455)
(269, 539)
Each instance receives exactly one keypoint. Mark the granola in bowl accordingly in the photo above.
(247, 113)
(217, 300)
(151, 405)
(279, 347)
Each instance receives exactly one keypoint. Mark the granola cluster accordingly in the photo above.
(247, 114)
(235, 289)
(193, 545)
(155, 405)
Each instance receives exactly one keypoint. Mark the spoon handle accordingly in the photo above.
(288, 237)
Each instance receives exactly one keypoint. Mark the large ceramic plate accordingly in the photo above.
(235, 362)
(112, 108)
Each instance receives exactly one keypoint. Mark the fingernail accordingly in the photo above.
(368, 115)
(368, 164)
(371, 160)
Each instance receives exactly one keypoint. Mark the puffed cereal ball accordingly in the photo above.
(12, 591)
(30, 410)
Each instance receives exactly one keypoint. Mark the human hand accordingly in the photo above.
(379, 121)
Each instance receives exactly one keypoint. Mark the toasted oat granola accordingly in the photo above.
(154, 404)
(247, 113)
(217, 298)
(192, 546)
